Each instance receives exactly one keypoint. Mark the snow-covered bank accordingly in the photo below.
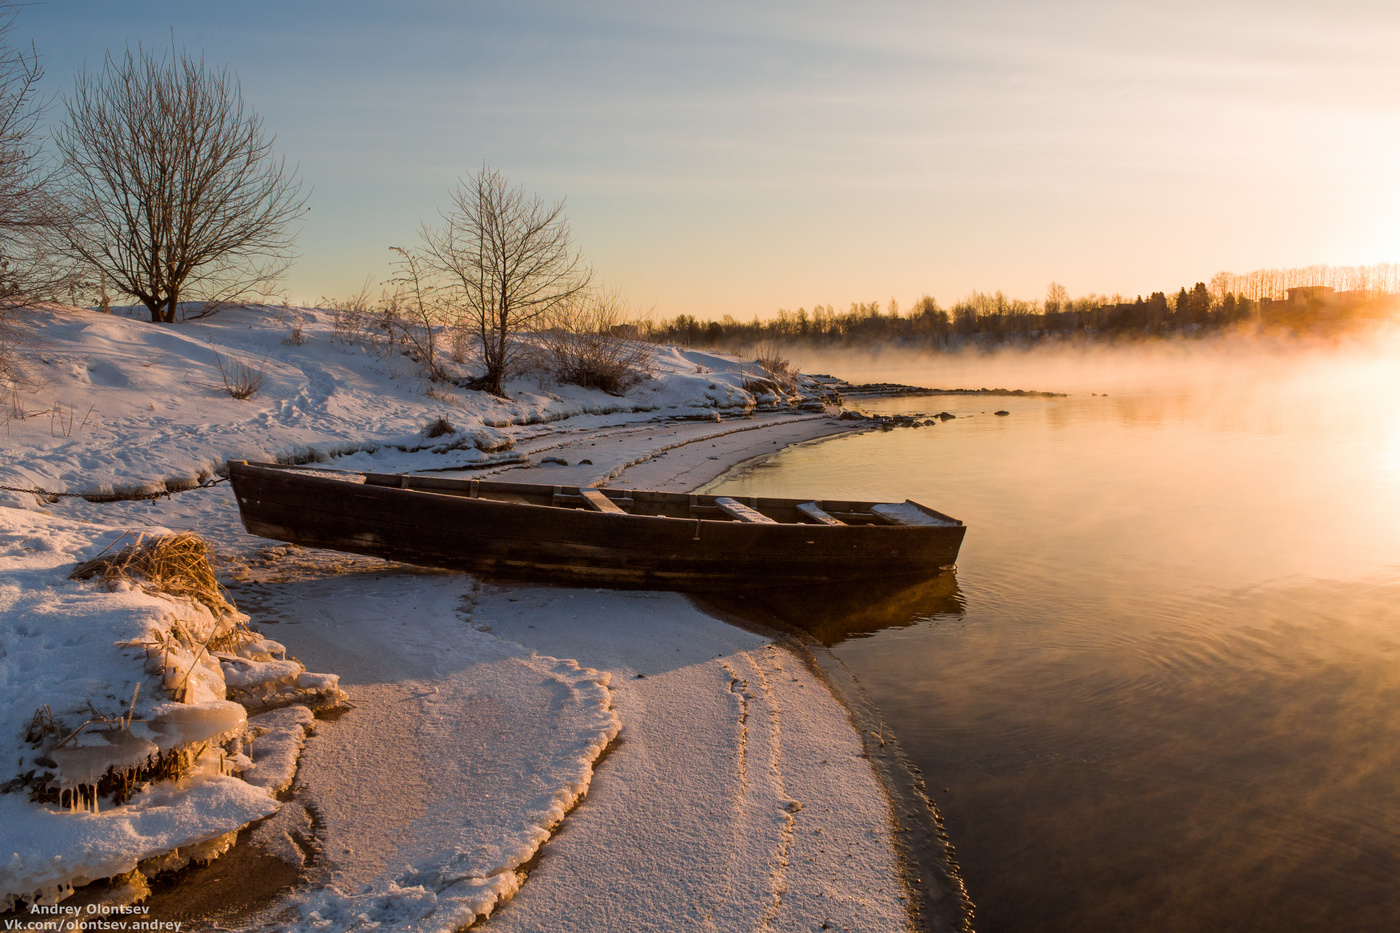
(474, 734)
(117, 710)
(119, 406)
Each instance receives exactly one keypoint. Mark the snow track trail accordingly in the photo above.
(666, 455)
(737, 799)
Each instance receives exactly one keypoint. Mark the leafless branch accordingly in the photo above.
(178, 193)
(241, 379)
(414, 309)
(587, 343)
(507, 261)
(31, 212)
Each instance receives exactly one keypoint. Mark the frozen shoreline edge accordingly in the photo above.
(739, 442)
(941, 902)
(938, 900)
(925, 852)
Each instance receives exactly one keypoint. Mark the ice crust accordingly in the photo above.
(104, 668)
(448, 777)
(47, 852)
(275, 740)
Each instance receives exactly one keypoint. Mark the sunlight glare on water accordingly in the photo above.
(1171, 700)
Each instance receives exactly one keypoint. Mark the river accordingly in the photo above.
(1162, 690)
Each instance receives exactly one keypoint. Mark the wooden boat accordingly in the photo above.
(590, 536)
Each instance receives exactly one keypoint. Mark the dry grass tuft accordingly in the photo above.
(588, 344)
(439, 428)
(241, 380)
(177, 564)
(779, 368)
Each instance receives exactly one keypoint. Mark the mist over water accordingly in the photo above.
(1170, 699)
(1154, 366)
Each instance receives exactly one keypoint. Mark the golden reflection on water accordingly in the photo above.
(832, 614)
(1167, 692)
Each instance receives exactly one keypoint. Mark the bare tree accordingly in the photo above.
(507, 261)
(178, 194)
(30, 211)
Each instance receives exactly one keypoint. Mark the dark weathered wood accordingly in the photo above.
(737, 510)
(817, 514)
(544, 532)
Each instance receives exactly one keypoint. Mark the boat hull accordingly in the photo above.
(454, 531)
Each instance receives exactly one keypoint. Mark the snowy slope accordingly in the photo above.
(115, 404)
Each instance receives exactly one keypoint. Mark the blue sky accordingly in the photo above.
(733, 158)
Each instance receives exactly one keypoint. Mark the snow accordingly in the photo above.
(275, 739)
(485, 746)
(706, 777)
(742, 801)
(49, 851)
(99, 670)
(907, 513)
(121, 405)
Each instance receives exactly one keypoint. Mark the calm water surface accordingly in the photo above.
(1165, 694)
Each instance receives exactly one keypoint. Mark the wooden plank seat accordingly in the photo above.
(599, 502)
(816, 513)
(737, 510)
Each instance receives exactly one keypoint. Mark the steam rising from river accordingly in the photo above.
(1233, 363)
(1169, 694)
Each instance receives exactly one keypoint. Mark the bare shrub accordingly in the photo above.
(178, 195)
(61, 420)
(587, 345)
(14, 408)
(414, 311)
(352, 326)
(295, 337)
(16, 336)
(439, 428)
(465, 347)
(777, 367)
(354, 319)
(360, 301)
(443, 393)
(241, 379)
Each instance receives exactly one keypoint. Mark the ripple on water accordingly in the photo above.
(1167, 694)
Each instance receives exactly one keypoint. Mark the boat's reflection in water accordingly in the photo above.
(832, 614)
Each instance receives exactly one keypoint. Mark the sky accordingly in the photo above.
(736, 158)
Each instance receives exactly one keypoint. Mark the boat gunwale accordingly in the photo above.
(458, 489)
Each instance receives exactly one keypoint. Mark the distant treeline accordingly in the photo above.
(1295, 299)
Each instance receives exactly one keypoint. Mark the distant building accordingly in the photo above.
(1321, 305)
(1312, 294)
